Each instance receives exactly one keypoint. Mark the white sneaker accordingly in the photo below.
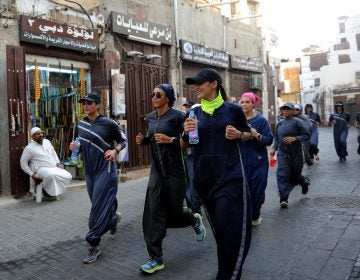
(257, 221)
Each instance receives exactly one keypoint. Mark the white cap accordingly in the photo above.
(195, 105)
(34, 130)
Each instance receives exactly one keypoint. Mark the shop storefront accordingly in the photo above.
(196, 57)
(144, 49)
(54, 66)
(245, 75)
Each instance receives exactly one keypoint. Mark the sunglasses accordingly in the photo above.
(88, 102)
(158, 95)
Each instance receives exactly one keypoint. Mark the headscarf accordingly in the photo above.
(253, 97)
(169, 93)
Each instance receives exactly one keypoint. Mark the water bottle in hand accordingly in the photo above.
(193, 134)
(75, 151)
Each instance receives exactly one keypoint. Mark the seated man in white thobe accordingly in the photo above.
(41, 162)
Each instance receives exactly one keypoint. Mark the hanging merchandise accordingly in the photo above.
(82, 82)
(53, 94)
(37, 89)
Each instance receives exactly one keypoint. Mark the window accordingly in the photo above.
(53, 88)
(344, 58)
(342, 27)
(317, 82)
(357, 36)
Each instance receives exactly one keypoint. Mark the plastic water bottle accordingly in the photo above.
(75, 151)
(193, 134)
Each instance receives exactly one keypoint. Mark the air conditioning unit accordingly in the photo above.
(256, 81)
(357, 74)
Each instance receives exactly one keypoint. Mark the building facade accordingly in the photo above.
(55, 52)
(333, 75)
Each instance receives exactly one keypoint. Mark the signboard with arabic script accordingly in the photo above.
(146, 30)
(253, 64)
(51, 33)
(201, 54)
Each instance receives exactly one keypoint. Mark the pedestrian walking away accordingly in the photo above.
(255, 153)
(306, 143)
(219, 175)
(341, 122)
(289, 134)
(314, 137)
(167, 181)
(97, 135)
(40, 161)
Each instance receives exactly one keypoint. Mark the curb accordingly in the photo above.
(81, 184)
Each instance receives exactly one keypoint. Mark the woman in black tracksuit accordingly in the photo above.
(219, 173)
(167, 182)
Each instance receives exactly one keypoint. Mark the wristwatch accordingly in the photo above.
(173, 139)
(258, 136)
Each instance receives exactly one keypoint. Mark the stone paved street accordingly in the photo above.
(317, 237)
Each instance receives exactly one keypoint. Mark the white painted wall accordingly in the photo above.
(340, 75)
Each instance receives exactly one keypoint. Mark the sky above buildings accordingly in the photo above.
(299, 23)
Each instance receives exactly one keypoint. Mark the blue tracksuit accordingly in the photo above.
(314, 137)
(290, 156)
(256, 161)
(100, 174)
(340, 132)
(220, 183)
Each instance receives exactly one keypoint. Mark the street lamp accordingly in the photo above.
(241, 18)
(83, 9)
(199, 6)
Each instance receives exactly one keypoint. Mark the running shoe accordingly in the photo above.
(94, 253)
(305, 185)
(257, 221)
(154, 264)
(113, 228)
(199, 228)
(284, 204)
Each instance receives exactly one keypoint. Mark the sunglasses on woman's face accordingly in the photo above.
(87, 102)
(158, 95)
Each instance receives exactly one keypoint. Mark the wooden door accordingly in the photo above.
(17, 116)
(141, 79)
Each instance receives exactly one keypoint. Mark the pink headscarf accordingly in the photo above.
(253, 97)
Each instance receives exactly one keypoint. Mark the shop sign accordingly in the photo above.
(253, 64)
(51, 33)
(150, 32)
(198, 53)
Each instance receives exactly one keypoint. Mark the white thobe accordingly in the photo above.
(42, 159)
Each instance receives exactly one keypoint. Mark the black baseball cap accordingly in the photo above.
(92, 97)
(205, 75)
(189, 103)
(288, 105)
